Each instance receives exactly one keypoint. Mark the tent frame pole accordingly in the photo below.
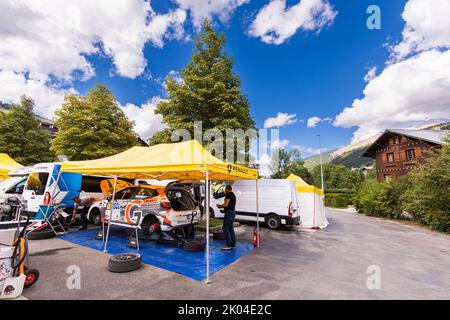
(206, 209)
(257, 214)
(110, 215)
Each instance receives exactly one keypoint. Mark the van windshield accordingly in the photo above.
(37, 181)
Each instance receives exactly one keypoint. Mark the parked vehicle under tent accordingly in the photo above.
(176, 161)
(311, 204)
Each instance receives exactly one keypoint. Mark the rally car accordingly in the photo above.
(155, 210)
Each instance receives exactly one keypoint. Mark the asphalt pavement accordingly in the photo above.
(356, 257)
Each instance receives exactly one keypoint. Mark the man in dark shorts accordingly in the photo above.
(82, 206)
(228, 228)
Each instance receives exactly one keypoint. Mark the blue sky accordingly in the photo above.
(309, 75)
(315, 72)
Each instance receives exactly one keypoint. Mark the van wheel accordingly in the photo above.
(273, 222)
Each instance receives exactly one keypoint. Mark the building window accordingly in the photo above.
(390, 157)
(410, 154)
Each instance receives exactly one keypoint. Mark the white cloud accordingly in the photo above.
(427, 26)
(314, 121)
(43, 37)
(146, 121)
(414, 89)
(201, 9)
(370, 74)
(309, 150)
(281, 120)
(47, 98)
(280, 144)
(415, 84)
(275, 22)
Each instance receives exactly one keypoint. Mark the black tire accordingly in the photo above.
(31, 276)
(124, 262)
(41, 234)
(194, 245)
(273, 222)
(218, 235)
(97, 219)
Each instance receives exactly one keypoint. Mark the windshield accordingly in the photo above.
(144, 193)
(37, 181)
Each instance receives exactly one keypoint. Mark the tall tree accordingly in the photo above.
(337, 177)
(208, 91)
(289, 162)
(93, 126)
(21, 136)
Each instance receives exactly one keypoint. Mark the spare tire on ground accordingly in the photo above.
(195, 245)
(218, 235)
(124, 262)
(41, 234)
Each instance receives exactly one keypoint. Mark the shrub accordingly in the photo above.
(337, 200)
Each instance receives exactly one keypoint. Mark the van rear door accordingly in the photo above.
(35, 189)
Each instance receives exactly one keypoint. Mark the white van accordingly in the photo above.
(277, 202)
(41, 186)
(12, 187)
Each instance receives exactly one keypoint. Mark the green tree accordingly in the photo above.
(337, 177)
(208, 91)
(428, 196)
(21, 137)
(289, 162)
(93, 126)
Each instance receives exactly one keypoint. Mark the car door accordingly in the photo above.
(121, 200)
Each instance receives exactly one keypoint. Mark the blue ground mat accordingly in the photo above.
(161, 255)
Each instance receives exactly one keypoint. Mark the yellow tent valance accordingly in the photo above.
(7, 164)
(303, 187)
(173, 161)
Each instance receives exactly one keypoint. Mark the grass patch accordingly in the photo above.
(212, 222)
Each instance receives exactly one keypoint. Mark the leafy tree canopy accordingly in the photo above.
(337, 177)
(21, 136)
(93, 126)
(208, 91)
(290, 162)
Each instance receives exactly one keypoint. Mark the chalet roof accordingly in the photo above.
(427, 135)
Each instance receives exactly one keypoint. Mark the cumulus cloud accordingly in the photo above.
(47, 98)
(281, 120)
(43, 37)
(146, 122)
(201, 9)
(280, 144)
(413, 87)
(370, 74)
(275, 22)
(427, 26)
(314, 121)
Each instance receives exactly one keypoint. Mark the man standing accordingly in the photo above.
(83, 206)
(228, 222)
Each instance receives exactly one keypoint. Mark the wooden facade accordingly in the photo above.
(397, 154)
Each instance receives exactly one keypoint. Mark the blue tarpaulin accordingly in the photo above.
(163, 255)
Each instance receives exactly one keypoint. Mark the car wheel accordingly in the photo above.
(41, 234)
(273, 222)
(194, 245)
(124, 262)
(97, 220)
(31, 276)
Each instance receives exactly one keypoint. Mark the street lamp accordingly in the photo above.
(321, 163)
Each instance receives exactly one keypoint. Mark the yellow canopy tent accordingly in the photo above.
(311, 204)
(180, 161)
(6, 165)
(175, 161)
